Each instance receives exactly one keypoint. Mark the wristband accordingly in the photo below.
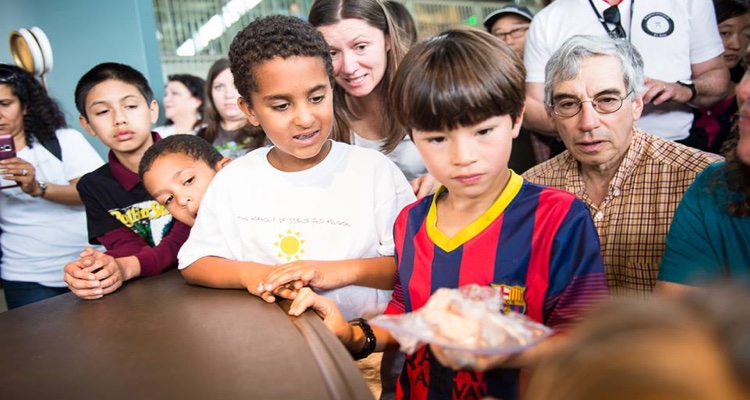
(42, 188)
(370, 339)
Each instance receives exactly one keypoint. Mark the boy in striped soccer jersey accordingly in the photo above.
(461, 94)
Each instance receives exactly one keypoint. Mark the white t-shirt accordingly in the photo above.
(343, 208)
(670, 35)
(39, 236)
(405, 155)
(169, 130)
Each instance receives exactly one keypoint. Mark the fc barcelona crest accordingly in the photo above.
(513, 299)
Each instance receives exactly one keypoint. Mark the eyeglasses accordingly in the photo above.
(514, 33)
(603, 104)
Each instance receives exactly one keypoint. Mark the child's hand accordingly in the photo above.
(93, 275)
(81, 281)
(81, 275)
(317, 274)
(462, 360)
(326, 309)
(424, 185)
(288, 291)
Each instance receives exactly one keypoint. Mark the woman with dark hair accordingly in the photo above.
(183, 105)
(42, 219)
(712, 126)
(225, 125)
(709, 238)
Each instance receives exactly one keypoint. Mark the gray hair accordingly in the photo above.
(565, 63)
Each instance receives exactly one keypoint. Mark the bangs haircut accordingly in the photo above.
(270, 37)
(728, 9)
(192, 146)
(461, 77)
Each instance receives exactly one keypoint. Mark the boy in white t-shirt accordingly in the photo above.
(306, 211)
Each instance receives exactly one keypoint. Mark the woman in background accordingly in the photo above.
(225, 125)
(366, 48)
(712, 126)
(709, 239)
(183, 105)
(42, 220)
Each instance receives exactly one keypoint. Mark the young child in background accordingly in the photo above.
(177, 170)
(461, 94)
(117, 105)
(306, 209)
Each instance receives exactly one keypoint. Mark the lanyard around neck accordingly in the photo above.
(604, 23)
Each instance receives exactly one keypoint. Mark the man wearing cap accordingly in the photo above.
(679, 42)
(510, 24)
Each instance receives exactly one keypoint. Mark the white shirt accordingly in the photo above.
(39, 236)
(670, 35)
(343, 208)
(405, 155)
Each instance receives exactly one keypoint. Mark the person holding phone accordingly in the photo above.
(7, 150)
(42, 219)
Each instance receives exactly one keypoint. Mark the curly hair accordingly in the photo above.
(190, 145)
(375, 14)
(196, 86)
(278, 36)
(271, 37)
(734, 176)
(251, 137)
(43, 114)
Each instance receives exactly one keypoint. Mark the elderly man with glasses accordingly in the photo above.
(631, 181)
(678, 40)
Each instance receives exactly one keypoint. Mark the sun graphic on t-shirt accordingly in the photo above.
(290, 245)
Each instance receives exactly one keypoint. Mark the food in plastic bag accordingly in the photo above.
(469, 319)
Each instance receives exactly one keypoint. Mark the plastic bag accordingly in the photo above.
(468, 319)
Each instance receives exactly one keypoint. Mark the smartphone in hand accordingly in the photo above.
(7, 150)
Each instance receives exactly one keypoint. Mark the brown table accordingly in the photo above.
(160, 338)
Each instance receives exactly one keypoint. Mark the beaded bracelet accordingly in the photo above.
(370, 339)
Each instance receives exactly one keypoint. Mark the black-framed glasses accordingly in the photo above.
(514, 33)
(603, 104)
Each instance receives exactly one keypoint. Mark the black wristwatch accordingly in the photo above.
(370, 339)
(690, 85)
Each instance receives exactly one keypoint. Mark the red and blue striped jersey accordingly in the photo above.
(538, 244)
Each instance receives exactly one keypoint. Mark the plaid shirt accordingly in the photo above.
(635, 215)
